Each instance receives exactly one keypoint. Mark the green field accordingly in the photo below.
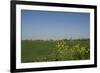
(54, 50)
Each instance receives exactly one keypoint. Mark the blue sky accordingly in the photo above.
(45, 25)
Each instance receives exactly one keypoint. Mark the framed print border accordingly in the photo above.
(13, 35)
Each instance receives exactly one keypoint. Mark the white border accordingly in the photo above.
(20, 65)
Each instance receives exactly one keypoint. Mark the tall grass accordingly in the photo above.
(55, 50)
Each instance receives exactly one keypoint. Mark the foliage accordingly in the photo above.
(55, 50)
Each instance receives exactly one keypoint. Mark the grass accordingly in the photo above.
(54, 50)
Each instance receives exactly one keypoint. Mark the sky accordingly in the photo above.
(47, 25)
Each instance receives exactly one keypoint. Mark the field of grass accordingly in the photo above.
(54, 50)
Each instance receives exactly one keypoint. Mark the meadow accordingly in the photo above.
(54, 50)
